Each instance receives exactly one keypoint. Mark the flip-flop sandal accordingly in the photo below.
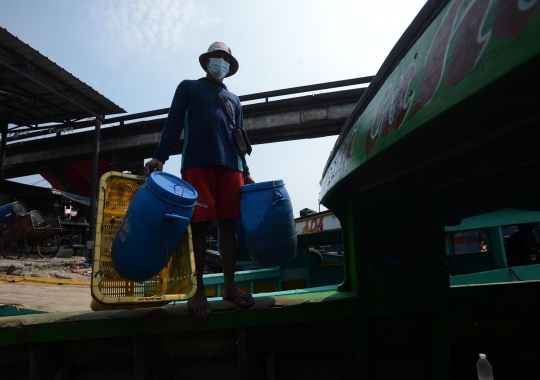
(241, 295)
(201, 304)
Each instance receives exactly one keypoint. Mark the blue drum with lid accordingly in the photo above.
(268, 223)
(10, 212)
(154, 223)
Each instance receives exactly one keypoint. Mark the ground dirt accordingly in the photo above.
(65, 265)
(54, 297)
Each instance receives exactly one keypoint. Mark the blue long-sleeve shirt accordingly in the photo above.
(208, 138)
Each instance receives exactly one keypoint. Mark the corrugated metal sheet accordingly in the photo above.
(72, 197)
(24, 99)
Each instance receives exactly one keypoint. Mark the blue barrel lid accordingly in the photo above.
(19, 208)
(262, 185)
(169, 188)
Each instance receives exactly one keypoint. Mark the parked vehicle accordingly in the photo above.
(31, 231)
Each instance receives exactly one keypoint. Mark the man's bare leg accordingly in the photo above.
(228, 247)
(198, 303)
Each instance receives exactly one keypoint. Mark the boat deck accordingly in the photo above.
(281, 334)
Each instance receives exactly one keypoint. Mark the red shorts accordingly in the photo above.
(219, 192)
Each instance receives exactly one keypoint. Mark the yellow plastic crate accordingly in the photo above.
(176, 282)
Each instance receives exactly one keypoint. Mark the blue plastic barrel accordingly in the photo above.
(10, 212)
(154, 223)
(267, 217)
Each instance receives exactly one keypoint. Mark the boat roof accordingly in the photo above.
(504, 217)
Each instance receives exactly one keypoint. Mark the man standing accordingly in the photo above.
(210, 163)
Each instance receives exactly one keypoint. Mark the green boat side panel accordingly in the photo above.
(524, 273)
(469, 263)
(504, 217)
(497, 244)
(12, 311)
(468, 46)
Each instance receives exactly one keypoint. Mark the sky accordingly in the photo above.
(135, 52)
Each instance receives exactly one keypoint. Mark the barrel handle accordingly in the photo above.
(279, 200)
(278, 196)
(175, 216)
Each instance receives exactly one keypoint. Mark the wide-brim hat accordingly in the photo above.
(220, 46)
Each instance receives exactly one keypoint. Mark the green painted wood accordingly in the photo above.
(413, 92)
(10, 311)
(244, 276)
(474, 268)
(470, 263)
(296, 330)
(352, 236)
(503, 217)
(319, 306)
(322, 275)
(504, 275)
(318, 289)
(536, 232)
(346, 284)
(497, 250)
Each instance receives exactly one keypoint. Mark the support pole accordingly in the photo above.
(94, 189)
(4, 130)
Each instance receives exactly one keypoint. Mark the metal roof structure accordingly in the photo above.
(36, 197)
(34, 90)
(72, 197)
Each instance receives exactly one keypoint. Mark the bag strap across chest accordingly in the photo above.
(242, 140)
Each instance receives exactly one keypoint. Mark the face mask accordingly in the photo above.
(218, 67)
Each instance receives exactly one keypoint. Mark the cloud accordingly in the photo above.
(145, 27)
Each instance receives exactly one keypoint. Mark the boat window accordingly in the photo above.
(521, 244)
(327, 255)
(467, 242)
